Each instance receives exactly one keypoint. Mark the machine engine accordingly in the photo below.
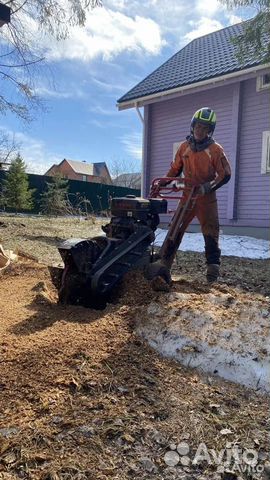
(94, 267)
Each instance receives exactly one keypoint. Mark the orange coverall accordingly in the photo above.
(209, 167)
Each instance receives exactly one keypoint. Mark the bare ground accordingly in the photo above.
(83, 397)
(40, 235)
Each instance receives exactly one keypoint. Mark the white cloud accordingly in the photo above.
(99, 110)
(33, 151)
(132, 143)
(233, 19)
(109, 87)
(97, 123)
(46, 92)
(118, 85)
(202, 27)
(167, 14)
(107, 33)
(213, 6)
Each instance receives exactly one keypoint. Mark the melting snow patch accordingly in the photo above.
(235, 245)
(216, 332)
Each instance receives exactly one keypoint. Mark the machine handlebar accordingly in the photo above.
(163, 187)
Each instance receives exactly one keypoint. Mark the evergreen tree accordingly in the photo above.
(54, 199)
(16, 192)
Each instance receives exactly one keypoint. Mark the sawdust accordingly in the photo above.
(82, 397)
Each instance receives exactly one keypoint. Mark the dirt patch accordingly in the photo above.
(249, 275)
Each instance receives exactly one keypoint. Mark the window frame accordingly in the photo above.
(265, 163)
(261, 85)
(175, 148)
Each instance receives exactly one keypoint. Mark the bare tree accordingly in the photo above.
(20, 58)
(125, 173)
(8, 149)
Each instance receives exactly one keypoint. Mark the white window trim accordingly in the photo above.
(176, 145)
(260, 85)
(175, 148)
(265, 165)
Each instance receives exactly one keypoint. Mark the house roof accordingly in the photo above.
(206, 57)
(81, 167)
(85, 168)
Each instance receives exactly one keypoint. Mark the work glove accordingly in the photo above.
(163, 183)
(157, 186)
(205, 188)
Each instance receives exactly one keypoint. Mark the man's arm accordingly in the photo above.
(223, 172)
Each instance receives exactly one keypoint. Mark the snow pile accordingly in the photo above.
(238, 246)
(218, 331)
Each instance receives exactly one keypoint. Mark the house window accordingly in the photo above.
(84, 177)
(265, 166)
(263, 82)
(175, 148)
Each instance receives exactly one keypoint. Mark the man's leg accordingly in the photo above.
(207, 213)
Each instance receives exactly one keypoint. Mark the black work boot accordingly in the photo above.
(212, 272)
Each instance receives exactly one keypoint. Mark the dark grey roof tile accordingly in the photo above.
(203, 58)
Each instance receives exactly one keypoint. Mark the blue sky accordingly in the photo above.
(122, 42)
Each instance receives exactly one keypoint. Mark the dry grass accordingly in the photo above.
(40, 235)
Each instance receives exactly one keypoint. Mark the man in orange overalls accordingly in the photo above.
(203, 162)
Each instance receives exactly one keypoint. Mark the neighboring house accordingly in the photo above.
(206, 72)
(4, 165)
(85, 172)
(129, 180)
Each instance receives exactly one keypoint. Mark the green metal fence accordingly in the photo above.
(96, 193)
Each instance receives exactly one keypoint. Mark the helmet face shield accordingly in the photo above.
(205, 116)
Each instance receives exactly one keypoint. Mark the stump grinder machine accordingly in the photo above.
(94, 267)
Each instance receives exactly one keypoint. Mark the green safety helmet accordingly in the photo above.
(206, 116)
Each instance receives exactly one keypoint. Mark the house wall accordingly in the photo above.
(253, 186)
(105, 176)
(238, 107)
(67, 172)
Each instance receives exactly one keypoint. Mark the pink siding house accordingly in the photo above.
(206, 72)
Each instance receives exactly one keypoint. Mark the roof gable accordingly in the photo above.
(99, 167)
(80, 167)
(203, 58)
